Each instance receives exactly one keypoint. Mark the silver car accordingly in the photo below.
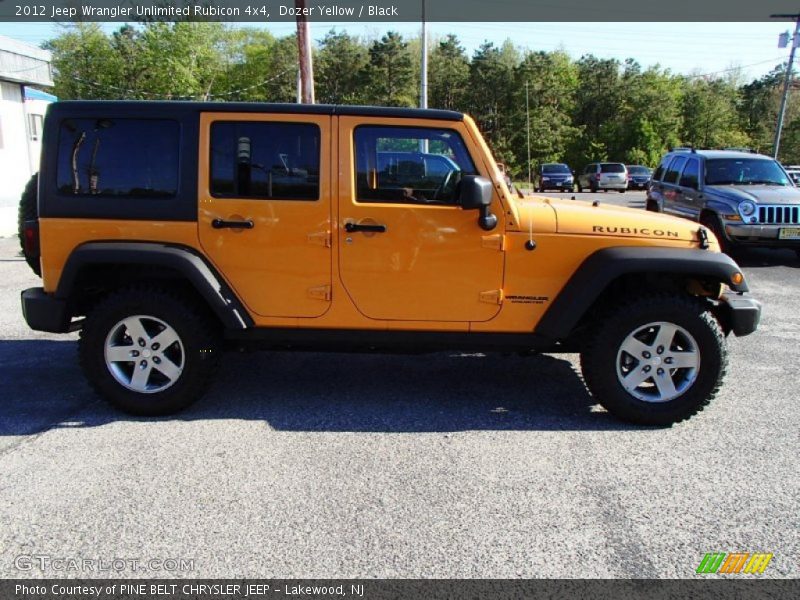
(604, 176)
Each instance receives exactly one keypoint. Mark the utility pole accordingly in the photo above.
(423, 84)
(304, 53)
(787, 80)
(528, 130)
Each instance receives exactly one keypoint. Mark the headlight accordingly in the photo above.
(545, 178)
(747, 208)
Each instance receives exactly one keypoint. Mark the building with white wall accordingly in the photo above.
(22, 110)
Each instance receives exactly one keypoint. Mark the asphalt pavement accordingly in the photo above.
(441, 466)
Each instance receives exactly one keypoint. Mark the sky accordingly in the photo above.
(687, 48)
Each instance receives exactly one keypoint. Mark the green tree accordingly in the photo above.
(710, 117)
(448, 75)
(391, 81)
(491, 97)
(340, 69)
(552, 81)
(649, 115)
(85, 65)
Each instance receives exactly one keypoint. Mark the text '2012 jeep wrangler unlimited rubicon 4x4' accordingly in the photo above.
(168, 231)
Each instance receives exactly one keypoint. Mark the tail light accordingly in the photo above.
(31, 238)
(597, 176)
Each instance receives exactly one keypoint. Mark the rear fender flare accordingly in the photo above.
(200, 274)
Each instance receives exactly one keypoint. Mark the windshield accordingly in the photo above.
(744, 171)
(637, 170)
(550, 169)
(612, 168)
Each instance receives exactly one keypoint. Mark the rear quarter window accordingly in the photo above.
(674, 170)
(118, 157)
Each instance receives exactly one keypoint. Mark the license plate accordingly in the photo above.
(789, 233)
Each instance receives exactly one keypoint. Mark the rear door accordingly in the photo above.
(408, 252)
(265, 208)
(669, 187)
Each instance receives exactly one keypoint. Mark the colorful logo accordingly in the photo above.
(737, 562)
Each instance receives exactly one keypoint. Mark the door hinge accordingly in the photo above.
(320, 238)
(492, 296)
(496, 241)
(321, 292)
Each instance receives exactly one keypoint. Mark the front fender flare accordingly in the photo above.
(601, 268)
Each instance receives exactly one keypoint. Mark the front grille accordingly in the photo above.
(779, 215)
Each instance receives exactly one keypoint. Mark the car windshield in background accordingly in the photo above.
(612, 168)
(551, 169)
(638, 170)
(744, 171)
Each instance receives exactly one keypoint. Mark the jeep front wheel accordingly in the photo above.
(148, 352)
(657, 360)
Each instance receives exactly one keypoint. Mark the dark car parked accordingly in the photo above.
(744, 198)
(638, 177)
(554, 176)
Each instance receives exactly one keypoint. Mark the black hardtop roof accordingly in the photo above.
(172, 106)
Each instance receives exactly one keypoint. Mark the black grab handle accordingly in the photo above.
(351, 227)
(223, 224)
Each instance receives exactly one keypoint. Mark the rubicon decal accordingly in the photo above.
(736, 562)
(635, 231)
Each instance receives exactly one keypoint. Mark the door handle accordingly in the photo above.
(350, 227)
(223, 224)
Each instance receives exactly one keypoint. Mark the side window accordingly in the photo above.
(265, 160)
(674, 170)
(35, 126)
(662, 167)
(409, 165)
(690, 175)
(118, 157)
(589, 169)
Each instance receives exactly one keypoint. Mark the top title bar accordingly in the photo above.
(442, 11)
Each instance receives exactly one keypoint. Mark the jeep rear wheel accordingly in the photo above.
(148, 352)
(657, 360)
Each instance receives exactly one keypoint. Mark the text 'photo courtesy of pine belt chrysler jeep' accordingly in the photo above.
(746, 199)
(166, 232)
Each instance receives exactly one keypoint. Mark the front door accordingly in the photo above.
(264, 208)
(408, 251)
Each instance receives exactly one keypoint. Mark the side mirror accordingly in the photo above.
(476, 194)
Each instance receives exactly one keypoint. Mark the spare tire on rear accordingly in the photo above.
(29, 211)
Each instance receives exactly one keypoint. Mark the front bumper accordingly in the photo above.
(740, 312)
(761, 235)
(44, 312)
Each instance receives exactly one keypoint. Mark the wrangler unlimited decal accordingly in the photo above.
(635, 231)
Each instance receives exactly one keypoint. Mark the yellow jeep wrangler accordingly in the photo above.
(167, 231)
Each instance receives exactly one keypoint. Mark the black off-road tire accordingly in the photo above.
(599, 357)
(580, 189)
(29, 211)
(652, 206)
(198, 333)
(622, 191)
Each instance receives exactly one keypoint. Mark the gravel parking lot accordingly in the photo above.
(312, 465)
